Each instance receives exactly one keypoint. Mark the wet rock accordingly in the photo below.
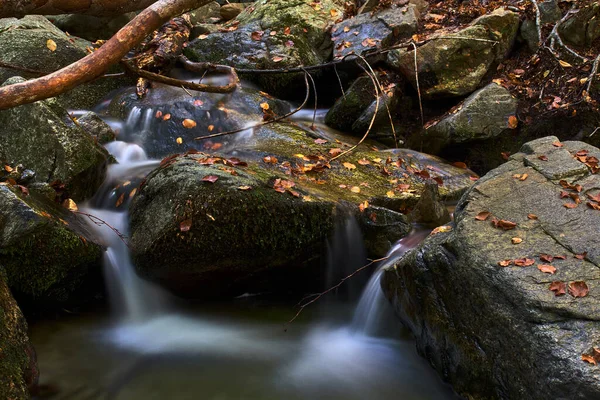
(497, 332)
(18, 366)
(430, 209)
(484, 115)
(23, 43)
(367, 32)
(96, 127)
(231, 10)
(455, 65)
(205, 14)
(46, 251)
(584, 27)
(271, 35)
(199, 229)
(156, 121)
(43, 137)
(89, 27)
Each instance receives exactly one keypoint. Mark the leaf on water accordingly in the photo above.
(482, 216)
(558, 287)
(166, 117)
(547, 268)
(349, 166)
(185, 225)
(210, 178)
(51, 45)
(578, 289)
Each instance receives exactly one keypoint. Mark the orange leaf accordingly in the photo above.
(558, 287)
(482, 216)
(547, 268)
(513, 122)
(578, 289)
(185, 225)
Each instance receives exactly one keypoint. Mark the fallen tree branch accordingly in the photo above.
(99, 222)
(98, 8)
(319, 295)
(98, 62)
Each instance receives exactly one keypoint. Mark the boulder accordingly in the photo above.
(43, 137)
(46, 251)
(231, 10)
(95, 126)
(367, 32)
(205, 14)
(23, 42)
(273, 34)
(500, 310)
(454, 64)
(485, 114)
(192, 218)
(18, 366)
(549, 13)
(584, 27)
(89, 27)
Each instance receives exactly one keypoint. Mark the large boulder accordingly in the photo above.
(499, 303)
(47, 251)
(18, 367)
(89, 27)
(24, 43)
(584, 27)
(208, 225)
(454, 64)
(43, 137)
(270, 35)
(485, 114)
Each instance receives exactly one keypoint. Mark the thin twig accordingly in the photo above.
(319, 295)
(24, 69)
(418, 87)
(371, 75)
(588, 87)
(314, 86)
(339, 81)
(99, 222)
(538, 20)
(263, 123)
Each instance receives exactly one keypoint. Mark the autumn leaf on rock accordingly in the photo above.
(581, 256)
(547, 268)
(513, 122)
(320, 141)
(70, 205)
(257, 35)
(543, 157)
(185, 225)
(270, 160)
(482, 216)
(505, 263)
(460, 164)
(363, 206)
(441, 229)
(570, 205)
(504, 224)
(532, 216)
(189, 123)
(578, 289)
(516, 240)
(245, 187)
(546, 257)
(210, 178)
(364, 161)
(51, 45)
(557, 144)
(355, 189)
(349, 166)
(589, 359)
(524, 262)
(559, 288)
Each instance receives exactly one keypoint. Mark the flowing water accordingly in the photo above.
(150, 346)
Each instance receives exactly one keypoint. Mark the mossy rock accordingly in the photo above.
(43, 137)
(494, 331)
(454, 65)
(23, 42)
(238, 234)
(18, 367)
(47, 251)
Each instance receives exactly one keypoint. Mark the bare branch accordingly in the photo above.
(19, 8)
(588, 87)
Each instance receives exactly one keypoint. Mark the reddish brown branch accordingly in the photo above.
(99, 222)
(98, 62)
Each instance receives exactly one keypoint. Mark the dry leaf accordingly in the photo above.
(547, 268)
(355, 189)
(513, 122)
(179, 140)
(210, 178)
(564, 64)
(578, 289)
(482, 216)
(51, 44)
(558, 287)
(70, 205)
(516, 240)
(349, 166)
(185, 225)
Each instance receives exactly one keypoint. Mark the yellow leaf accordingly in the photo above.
(264, 106)
(51, 44)
(390, 194)
(70, 205)
(355, 189)
(564, 64)
(349, 166)
(179, 140)
(188, 123)
(546, 73)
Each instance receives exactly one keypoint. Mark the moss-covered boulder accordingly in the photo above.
(454, 64)
(500, 306)
(210, 225)
(24, 43)
(18, 367)
(167, 120)
(47, 251)
(485, 114)
(43, 137)
(273, 34)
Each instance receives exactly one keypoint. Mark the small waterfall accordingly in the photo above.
(373, 309)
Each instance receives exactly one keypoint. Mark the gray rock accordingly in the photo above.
(367, 32)
(483, 115)
(549, 13)
(584, 27)
(43, 137)
(231, 10)
(89, 27)
(430, 209)
(96, 128)
(205, 14)
(23, 42)
(18, 366)
(455, 65)
(498, 332)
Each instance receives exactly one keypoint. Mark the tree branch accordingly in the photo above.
(98, 8)
(98, 62)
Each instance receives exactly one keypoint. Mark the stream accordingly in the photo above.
(149, 345)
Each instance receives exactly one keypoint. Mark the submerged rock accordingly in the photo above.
(18, 366)
(43, 137)
(486, 114)
(454, 65)
(46, 251)
(23, 42)
(208, 225)
(494, 309)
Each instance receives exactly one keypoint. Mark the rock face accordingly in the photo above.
(584, 27)
(23, 42)
(455, 65)
(89, 27)
(42, 137)
(273, 34)
(498, 332)
(372, 31)
(204, 237)
(46, 251)
(18, 366)
(485, 114)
